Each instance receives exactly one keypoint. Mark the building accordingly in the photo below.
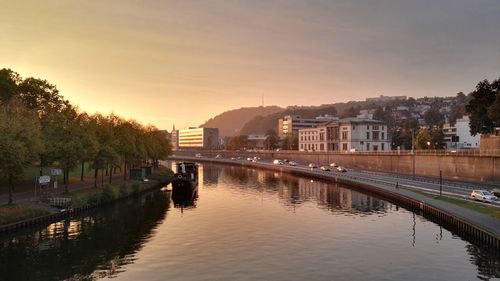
(202, 138)
(174, 138)
(382, 99)
(293, 123)
(459, 136)
(257, 141)
(348, 135)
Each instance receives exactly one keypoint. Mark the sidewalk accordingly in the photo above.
(28, 196)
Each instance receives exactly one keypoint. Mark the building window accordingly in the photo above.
(383, 136)
(367, 135)
(321, 147)
(368, 146)
(344, 146)
(375, 148)
(375, 135)
(354, 127)
(344, 135)
(382, 146)
(375, 127)
(368, 127)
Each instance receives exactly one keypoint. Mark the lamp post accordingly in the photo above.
(413, 149)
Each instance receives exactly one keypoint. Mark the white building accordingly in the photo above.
(204, 138)
(459, 136)
(349, 135)
(293, 123)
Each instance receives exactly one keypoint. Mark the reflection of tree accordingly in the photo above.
(487, 265)
(98, 245)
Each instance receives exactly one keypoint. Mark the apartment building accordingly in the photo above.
(293, 123)
(348, 135)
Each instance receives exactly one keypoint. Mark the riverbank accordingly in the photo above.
(30, 213)
(472, 225)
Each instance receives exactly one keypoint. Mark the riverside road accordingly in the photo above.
(451, 188)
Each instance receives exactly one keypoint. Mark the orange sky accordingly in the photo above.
(182, 62)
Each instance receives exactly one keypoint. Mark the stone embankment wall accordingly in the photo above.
(466, 167)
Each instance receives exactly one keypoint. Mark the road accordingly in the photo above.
(450, 188)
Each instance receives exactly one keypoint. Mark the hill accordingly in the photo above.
(261, 124)
(231, 122)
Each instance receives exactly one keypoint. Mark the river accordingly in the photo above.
(246, 224)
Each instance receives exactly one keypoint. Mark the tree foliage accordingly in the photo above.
(483, 106)
(38, 121)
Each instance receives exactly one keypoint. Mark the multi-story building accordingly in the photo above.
(459, 136)
(349, 135)
(174, 138)
(202, 138)
(257, 141)
(293, 123)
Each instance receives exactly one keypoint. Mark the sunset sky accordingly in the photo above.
(182, 62)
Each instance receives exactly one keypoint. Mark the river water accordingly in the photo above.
(246, 225)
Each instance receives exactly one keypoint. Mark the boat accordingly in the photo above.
(185, 184)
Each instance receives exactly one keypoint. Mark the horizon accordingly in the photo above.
(188, 62)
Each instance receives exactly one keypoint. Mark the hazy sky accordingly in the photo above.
(184, 61)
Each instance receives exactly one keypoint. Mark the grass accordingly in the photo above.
(13, 213)
(111, 192)
(471, 205)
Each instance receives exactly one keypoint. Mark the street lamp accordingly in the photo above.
(413, 149)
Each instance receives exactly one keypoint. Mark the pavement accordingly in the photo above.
(29, 198)
(387, 181)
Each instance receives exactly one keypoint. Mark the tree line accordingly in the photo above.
(39, 126)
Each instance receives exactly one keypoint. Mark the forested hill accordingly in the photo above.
(231, 122)
(261, 124)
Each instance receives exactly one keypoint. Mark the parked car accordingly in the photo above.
(312, 166)
(334, 165)
(482, 195)
(249, 159)
(341, 169)
(197, 155)
(218, 156)
(256, 158)
(325, 168)
(292, 163)
(277, 162)
(232, 158)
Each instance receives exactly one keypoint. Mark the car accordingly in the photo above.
(341, 169)
(239, 157)
(482, 195)
(312, 166)
(324, 168)
(334, 165)
(277, 162)
(197, 155)
(292, 163)
(285, 160)
(232, 158)
(218, 156)
(249, 159)
(256, 158)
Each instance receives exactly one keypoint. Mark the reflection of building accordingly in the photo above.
(293, 123)
(331, 196)
(205, 138)
(349, 134)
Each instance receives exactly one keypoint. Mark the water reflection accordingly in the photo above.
(87, 247)
(247, 225)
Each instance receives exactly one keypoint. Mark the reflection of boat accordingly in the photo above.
(185, 184)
